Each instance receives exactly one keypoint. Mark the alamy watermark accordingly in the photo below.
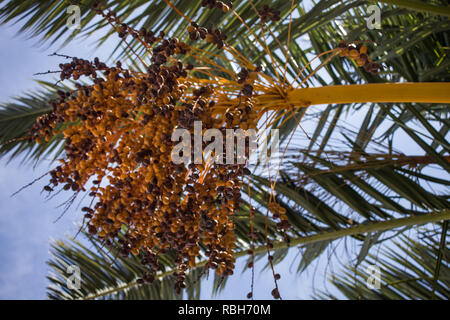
(235, 146)
(74, 280)
(73, 21)
(374, 279)
(374, 20)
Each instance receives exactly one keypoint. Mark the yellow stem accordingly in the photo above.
(420, 92)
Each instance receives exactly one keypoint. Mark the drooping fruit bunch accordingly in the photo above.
(118, 136)
(358, 53)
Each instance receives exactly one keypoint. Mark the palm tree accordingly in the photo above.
(346, 180)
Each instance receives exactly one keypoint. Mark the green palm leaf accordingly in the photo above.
(16, 119)
(406, 272)
(106, 275)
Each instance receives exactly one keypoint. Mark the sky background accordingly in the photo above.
(27, 224)
(26, 220)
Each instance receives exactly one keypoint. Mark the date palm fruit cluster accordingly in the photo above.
(358, 53)
(266, 13)
(118, 139)
(211, 36)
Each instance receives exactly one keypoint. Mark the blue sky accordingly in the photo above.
(26, 220)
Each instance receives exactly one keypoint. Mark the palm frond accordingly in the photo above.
(16, 119)
(107, 275)
(406, 272)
